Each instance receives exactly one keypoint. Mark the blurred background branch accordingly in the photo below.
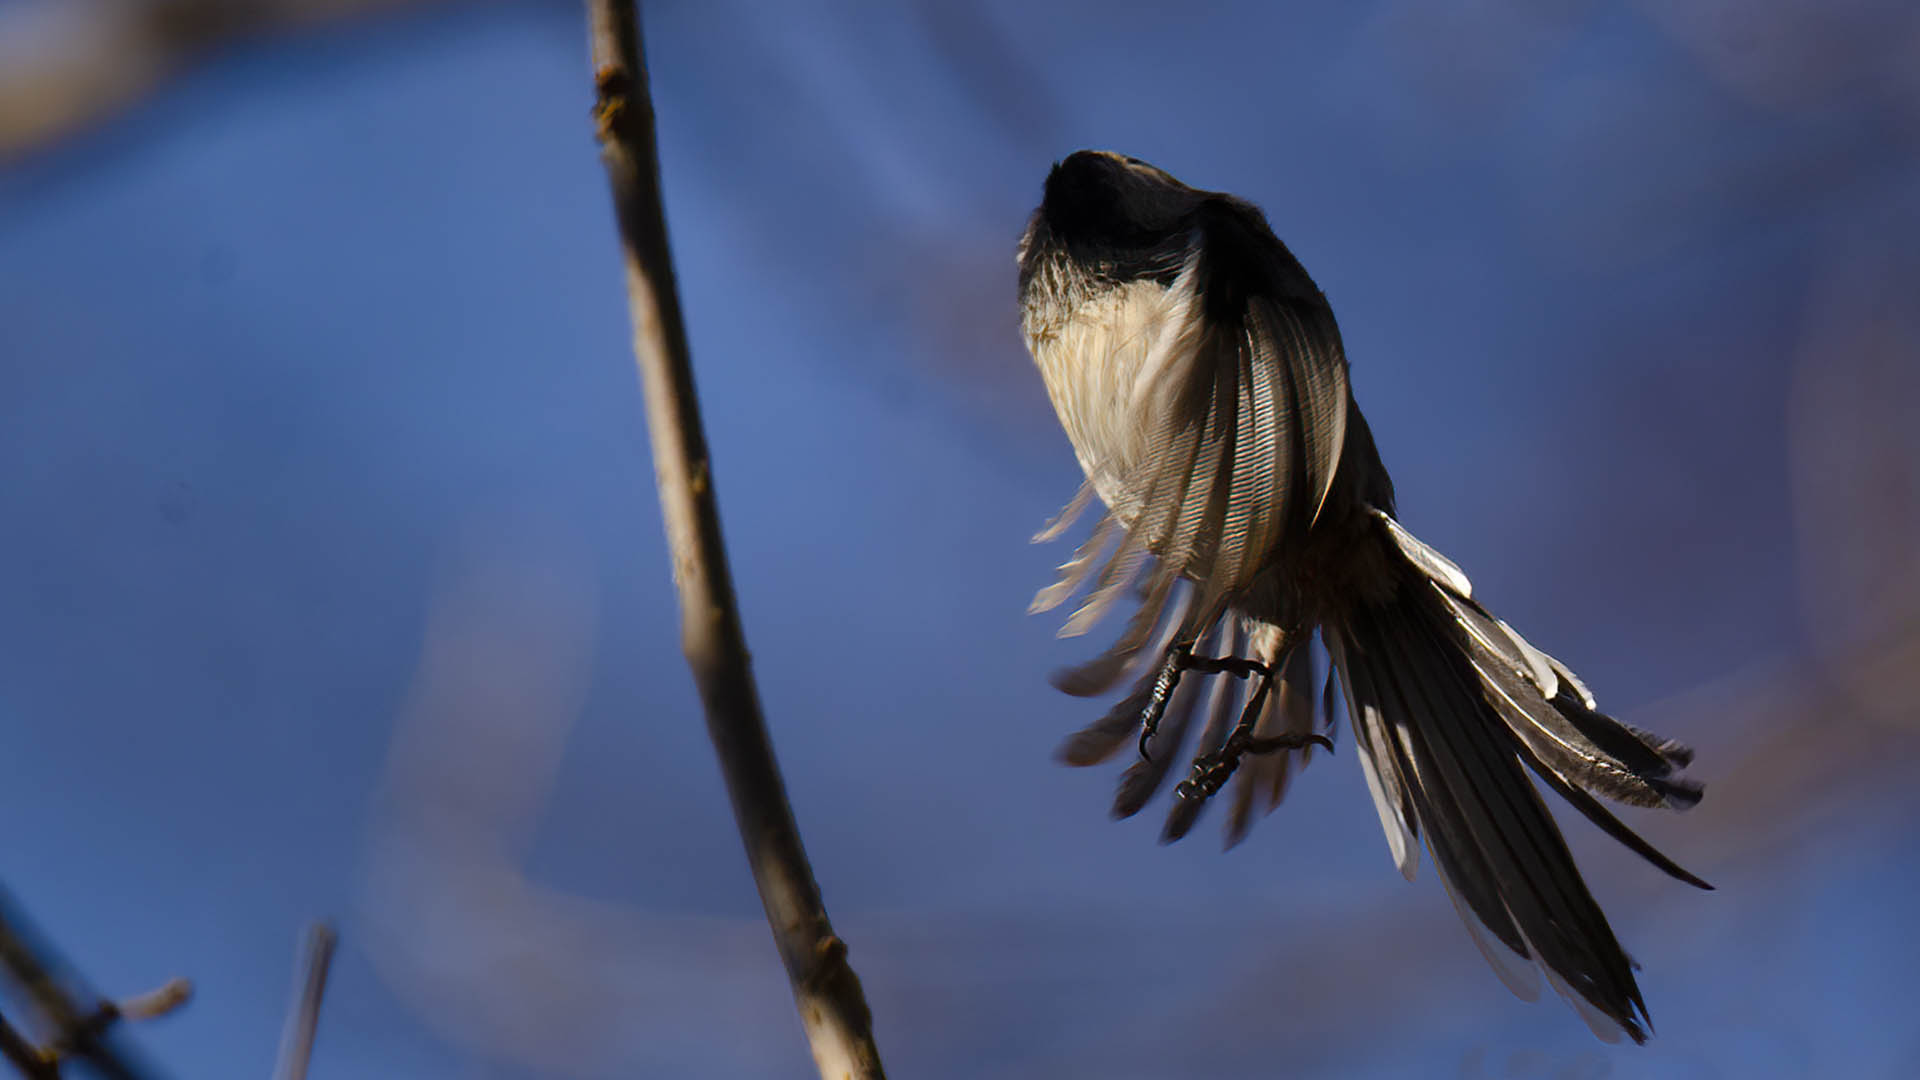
(303, 1013)
(67, 66)
(75, 1024)
(25, 1057)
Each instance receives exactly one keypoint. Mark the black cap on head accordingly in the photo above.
(1104, 199)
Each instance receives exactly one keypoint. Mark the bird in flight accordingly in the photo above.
(1199, 375)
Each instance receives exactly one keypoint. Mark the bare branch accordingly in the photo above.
(296, 1042)
(25, 1057)
(832, 1007)
(72, 66)
(78, 1031)
(157, 1002)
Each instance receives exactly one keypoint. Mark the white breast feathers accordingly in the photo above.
(1112, 363)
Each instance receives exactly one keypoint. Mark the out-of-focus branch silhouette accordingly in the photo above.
(76, 1023)
(25, 1057)
(303, 1019)
(476, 755)
(68, 65)
(833, 1008)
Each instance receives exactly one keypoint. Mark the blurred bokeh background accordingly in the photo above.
(332, 582)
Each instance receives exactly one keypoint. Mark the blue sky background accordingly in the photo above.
(332, 580)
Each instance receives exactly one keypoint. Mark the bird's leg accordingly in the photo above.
(1178, 654)
(1180, 659)
(1212, 770)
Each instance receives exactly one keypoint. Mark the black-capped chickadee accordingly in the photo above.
(1199, 374)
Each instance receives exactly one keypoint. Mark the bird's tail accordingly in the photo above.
(1447, 703)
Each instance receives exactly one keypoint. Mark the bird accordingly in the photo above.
(1199, 375)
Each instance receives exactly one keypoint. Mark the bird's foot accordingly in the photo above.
(1179, 660)
(1212, 769)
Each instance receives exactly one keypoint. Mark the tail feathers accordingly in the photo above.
(1443, 761)
(1392, 793)
(1448, 704)
(1580, 746)
(1550, 711)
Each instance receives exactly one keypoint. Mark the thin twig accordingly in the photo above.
(157, 1002)
(78, 1032)
(310, 982)
(832, 1007)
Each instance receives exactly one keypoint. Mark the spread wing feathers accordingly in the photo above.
(1366, 716)
(1446, 763)
(1243, 432)
(1104, 737)
(1316, 368)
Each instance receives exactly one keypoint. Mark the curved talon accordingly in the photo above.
(1211, 771)
(1179, 658)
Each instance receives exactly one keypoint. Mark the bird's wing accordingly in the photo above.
(1243, 415)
